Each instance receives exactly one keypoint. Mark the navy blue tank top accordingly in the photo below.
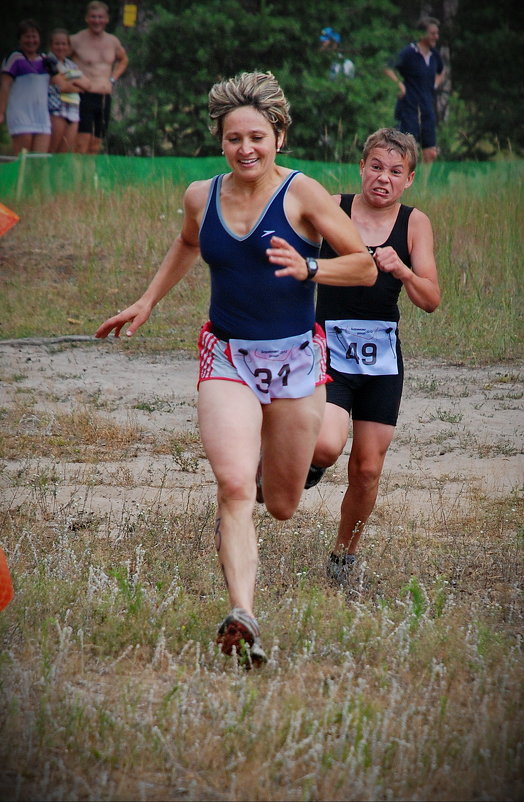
(247, 300)
(379, 302)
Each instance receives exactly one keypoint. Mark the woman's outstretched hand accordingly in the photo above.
(137, 313)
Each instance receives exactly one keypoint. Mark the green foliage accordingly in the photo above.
(180, 48)
(488, 64)
(177, 66)
(416, 594)
(49, 14)
(174, 65)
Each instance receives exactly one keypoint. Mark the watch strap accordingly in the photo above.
(312, 268)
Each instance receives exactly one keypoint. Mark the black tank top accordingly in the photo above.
(378, 302)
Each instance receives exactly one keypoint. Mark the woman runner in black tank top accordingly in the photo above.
(378, 302)
(361, 323)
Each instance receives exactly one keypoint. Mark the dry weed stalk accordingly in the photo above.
(111, 679)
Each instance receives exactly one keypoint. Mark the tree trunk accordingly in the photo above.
(449, 10)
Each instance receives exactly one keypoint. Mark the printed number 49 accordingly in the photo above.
(368, 353)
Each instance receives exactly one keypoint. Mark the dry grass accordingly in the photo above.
(91, 254)
(66, 270)
(408, 687)
(82, 435)
(111, 686)
(411, 688)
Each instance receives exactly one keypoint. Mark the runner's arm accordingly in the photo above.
(421, 281)
(175, 265)
(354, 266)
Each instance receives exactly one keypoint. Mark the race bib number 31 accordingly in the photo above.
(282, 368)
(367, 347)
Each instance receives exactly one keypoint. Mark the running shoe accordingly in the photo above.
(314, 476)
(339, 569)
(240, 631)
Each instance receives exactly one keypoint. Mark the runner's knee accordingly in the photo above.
(281, 508)
(236, 486)
(326, 453)
(364, 474)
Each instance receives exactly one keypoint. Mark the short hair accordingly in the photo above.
(28, 25)
(258, 89)
(94, 4)
(57, 31)
(424, 23)
(392, 139)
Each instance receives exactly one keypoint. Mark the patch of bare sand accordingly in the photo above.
(460, 431)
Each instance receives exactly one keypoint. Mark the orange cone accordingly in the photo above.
(8, 219)
(6, 584)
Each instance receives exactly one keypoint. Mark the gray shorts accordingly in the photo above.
(216, 361)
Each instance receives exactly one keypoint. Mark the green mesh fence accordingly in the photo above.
(33, 174)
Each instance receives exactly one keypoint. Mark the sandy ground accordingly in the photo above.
(460, 430)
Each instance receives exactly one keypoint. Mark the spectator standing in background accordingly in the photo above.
(422, 71)
(64, 105)
(102, 59)
(23, 92)
(341, 65)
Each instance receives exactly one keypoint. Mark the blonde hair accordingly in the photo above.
(392, 139)
(260, 90)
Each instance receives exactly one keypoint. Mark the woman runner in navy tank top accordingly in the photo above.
(365, 359)
(262, 357)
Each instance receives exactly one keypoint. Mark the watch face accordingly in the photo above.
(312, 267)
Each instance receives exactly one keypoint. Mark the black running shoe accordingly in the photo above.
(314, 476)
(339, 569)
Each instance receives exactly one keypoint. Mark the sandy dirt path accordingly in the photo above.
(461, 429)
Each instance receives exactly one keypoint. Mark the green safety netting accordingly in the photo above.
(32, 174)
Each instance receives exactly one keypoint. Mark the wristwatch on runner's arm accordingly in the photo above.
(312, 268)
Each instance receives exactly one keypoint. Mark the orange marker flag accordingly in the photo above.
(6, 584)
(8, 219)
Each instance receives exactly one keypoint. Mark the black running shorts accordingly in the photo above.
(95, 110)
(370, 398)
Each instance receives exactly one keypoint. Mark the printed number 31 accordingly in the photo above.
(266, 377)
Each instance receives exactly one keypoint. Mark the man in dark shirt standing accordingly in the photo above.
(422, 71)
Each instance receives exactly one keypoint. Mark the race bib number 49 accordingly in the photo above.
(367, 347)
(282, 368)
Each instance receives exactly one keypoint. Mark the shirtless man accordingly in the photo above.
(101, 57)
